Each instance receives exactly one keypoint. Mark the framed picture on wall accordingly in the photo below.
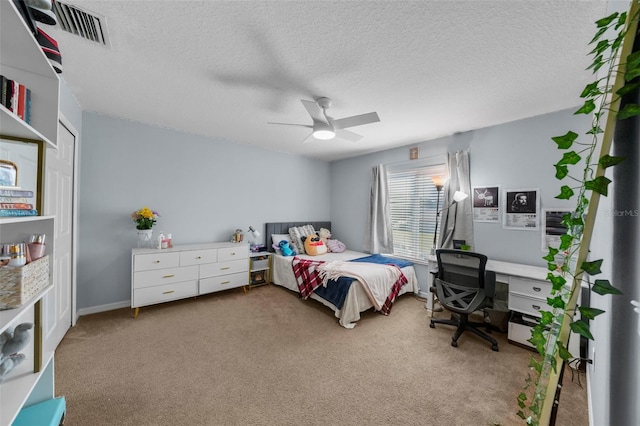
(522, 209)
(486, 203)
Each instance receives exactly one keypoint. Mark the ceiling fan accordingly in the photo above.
(325, 127)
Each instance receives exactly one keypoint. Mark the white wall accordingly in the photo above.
(203, 189)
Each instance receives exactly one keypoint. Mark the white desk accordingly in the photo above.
(528, 292)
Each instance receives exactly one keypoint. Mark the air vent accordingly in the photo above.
(76, 21)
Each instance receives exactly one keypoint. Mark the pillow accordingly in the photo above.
(296, 233)
(276, 238)
(336, 246)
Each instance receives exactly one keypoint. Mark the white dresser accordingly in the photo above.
(159, 276)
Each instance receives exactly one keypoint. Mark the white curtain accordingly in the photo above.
(380, 233)
(456, 222)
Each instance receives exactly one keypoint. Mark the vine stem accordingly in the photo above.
(594, 201)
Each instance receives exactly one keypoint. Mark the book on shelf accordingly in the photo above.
(16, 206)
(6, 192)
(22, 101)
(14, 200)
(17, 212)
(16, 98)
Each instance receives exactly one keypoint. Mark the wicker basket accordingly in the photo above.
(19, 285)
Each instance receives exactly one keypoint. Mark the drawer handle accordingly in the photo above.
(168, 292)
(199, 257)
(233, 254)
(536, 307)
(537, 289)
(226, 267)
(156, 261)
(225, 282)
(169, 276)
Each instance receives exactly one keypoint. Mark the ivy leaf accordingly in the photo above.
(629, 110)
(565, 241)
(537, 366)
(570, 158)
(598, 34)
(603, 287)
(633, 60)
(565, 141)
(556, 302)
(621, 20)
(631, 74)
(563, 352)
(589, 313)
(603, 22)
(539, 341)
(592, 268)
(628, 88)
(557, 281)
(561, 171)
(552, 254)
(592, 89)
(582, 328)
(608, 161)
(547, 318)
(588, 106)
(596, 130)
(598, 185)
(565, 193)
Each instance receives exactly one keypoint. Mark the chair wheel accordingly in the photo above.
(432, 325)
(454, 343)
(495, 348)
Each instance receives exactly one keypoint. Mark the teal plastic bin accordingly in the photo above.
(47, 413)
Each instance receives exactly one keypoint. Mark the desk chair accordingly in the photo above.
(463, 286)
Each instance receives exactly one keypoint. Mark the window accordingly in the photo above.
(413, 200)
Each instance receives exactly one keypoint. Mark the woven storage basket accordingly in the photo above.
(19, 285)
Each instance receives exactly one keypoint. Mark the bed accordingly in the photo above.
(357, 298)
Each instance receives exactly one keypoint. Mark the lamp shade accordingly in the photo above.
(439, 181)
(459, 196)
(254, 232)
(323, 131)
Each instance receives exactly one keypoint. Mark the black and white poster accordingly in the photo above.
(552, 227)
(522, 209)
(486, 204)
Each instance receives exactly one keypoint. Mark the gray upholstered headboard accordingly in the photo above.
(283, 228)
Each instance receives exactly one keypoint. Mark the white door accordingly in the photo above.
(59, 201)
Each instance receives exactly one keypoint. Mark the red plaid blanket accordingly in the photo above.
(308, 279)
(307, 275)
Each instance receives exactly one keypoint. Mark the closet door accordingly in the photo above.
(59, 305)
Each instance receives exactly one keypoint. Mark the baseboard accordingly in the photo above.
(104, 308)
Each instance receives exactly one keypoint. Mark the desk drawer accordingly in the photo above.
(198, 257)
(164, 276)
(164, 293)
(527, 305)
(532, 288)
(224, 282)
(224, 268)
(146, 262)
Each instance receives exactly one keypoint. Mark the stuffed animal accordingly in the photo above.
(286, 248)
(11, 341)
(313, 245)
(324, 235)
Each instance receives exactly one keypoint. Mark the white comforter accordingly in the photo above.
(357, 299)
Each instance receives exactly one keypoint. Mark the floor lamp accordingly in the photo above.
(438, 181)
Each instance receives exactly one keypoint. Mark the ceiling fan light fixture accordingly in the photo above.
(323, 131)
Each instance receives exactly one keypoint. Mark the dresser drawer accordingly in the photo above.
(224, 282)
(164, 293)
(527, 305)
(528, 287)
(197, 257)
(145, 262)
(232, 253)
(164, 276)
(224, 268)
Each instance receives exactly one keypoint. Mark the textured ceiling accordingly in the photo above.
(225, 68)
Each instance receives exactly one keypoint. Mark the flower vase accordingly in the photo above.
(144, 238)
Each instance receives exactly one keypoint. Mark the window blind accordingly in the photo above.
(412, 203)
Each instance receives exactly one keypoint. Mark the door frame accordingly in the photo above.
(63, 121)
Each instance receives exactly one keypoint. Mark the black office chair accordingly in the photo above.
(463, 286)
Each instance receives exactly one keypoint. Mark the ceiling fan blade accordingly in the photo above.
(309, 138)
(356, 120)
(291, 124)
(350, 136)
(314, 111)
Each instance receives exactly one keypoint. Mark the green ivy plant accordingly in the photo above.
(567, 264)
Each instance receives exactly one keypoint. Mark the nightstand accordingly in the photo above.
(259, 269)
